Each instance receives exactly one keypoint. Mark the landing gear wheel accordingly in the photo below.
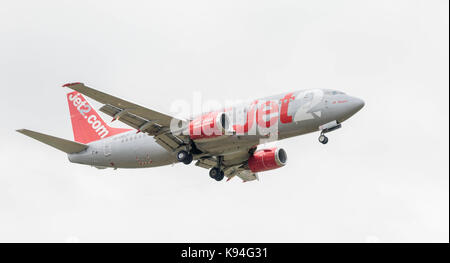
(189, 159)
(323, 139)
(216, 174)
(220, 176)
(184, 157)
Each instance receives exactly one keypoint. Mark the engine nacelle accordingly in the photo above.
(267, 159)
(208, 126)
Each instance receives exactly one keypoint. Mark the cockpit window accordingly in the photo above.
(335, 92)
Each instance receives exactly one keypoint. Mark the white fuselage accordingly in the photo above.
(298, 113)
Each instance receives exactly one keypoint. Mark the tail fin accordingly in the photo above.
(87, 125)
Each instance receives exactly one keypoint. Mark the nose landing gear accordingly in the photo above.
(323, 139)
(328, 127)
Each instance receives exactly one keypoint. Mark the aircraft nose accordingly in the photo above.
(351, 106)
(356, 104)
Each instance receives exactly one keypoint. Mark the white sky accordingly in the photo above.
(382, 177)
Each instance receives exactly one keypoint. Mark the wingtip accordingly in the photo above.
(71, 84)
(20, 130)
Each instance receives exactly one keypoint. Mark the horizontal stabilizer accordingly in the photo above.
(58, 143)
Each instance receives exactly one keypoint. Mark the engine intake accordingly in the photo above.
(210, 125)
(267, 159)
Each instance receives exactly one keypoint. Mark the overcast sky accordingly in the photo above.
(383, 177)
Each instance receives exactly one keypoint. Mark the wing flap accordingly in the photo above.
(169, 140)
(247, 175)
(238, 170)
(166, 139)
(131, 119)
(58, 143)
(206, 163)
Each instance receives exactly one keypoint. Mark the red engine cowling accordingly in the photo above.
(267, 159)
(210, 125)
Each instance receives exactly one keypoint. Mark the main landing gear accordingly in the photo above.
(323, 139)
(217, 173)
(184, 157)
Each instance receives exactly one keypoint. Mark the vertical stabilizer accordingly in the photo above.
(87, 125)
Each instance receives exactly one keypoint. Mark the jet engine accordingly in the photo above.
(208, 126)
(267, 159)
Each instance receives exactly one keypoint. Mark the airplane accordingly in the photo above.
(224, 141)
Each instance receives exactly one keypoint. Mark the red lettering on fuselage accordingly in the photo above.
(267, 109)
(284, 117)
(249, 121)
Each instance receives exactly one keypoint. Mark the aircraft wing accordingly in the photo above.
(140, 118)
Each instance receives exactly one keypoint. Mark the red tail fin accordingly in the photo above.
(87, 125)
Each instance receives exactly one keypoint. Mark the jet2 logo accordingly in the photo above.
(84, 108)
(81, 106)
(269, 112)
